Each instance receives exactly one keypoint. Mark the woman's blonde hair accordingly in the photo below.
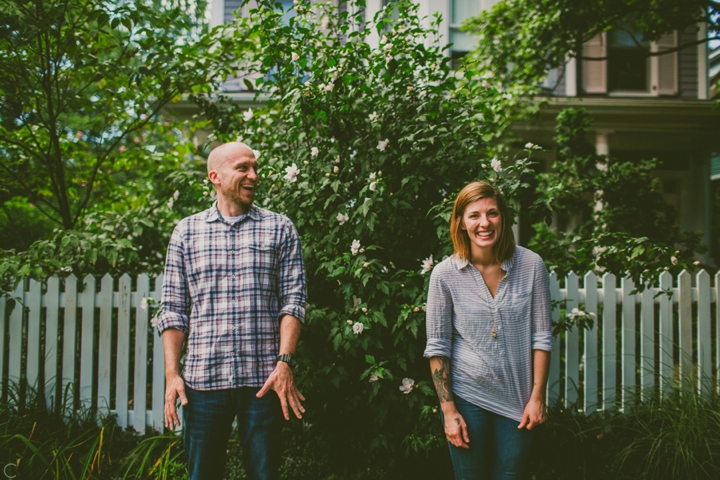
(504, 248)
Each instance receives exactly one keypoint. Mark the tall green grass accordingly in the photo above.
(674, 438)
(43, 444)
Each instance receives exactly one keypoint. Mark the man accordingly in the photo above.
(234, 288)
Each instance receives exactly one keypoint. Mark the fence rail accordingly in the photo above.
(97, 338)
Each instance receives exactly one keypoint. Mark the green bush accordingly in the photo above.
(363, 147)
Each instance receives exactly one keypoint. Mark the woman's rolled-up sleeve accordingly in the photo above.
(438, 318)
(540, 309)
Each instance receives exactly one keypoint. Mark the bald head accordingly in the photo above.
(225, 152)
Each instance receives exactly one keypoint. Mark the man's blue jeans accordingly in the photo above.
(207, 424)
(498, 450)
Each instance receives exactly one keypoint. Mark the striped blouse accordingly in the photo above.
(490, 340)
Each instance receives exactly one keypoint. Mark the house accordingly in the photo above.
(642, 107)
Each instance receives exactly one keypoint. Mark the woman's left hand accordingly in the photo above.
(533, 415)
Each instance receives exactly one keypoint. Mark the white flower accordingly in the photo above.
(314, 152)
(295, 56)
(387, 47)
(373, 176)
(410, 88)
(356, 303)
(256, 153)
(170, 203)
(154, 321)
(382, 144)
(407, 385)
(325, 22)
(366, 264)
(292, 172)
(674, 260)
(373, 186)
(696, 263)
(355, 247)
(248, 114)
(307, 84)
(495, 164)
(358, 328)
(529, 146)
(337, 159)
(321, 86)
(144, 303)
(336, 169)
(373, 378)
(373, 116)
(342, 218)
(427, 264)
(329, 87)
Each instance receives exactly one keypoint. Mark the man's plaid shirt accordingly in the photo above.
(227, 287)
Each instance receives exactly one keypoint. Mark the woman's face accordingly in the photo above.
(483, 223)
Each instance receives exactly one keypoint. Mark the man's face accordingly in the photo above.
(236, 178)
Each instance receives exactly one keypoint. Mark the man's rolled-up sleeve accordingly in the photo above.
(292, 288)
(439, 312)
(176, 305)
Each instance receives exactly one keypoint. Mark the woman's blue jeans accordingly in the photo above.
(207, 423)
(498, 450)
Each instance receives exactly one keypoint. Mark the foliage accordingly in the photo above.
(362, 147)
(81, 82)
(676, 437)
(610, 215)
(520, 41)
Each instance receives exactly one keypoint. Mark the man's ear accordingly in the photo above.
(213, 176)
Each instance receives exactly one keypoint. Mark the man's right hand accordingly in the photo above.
(174, 388)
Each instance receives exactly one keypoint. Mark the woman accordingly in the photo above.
(489, 339)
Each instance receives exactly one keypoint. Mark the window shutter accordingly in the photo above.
(594, 72)
(667, 65)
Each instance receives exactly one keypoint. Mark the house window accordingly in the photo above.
(628, 67)
(461, 10)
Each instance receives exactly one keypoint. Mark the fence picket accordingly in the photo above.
(685, 327)
(590, 351)
(69, 347)
(158, 385)
(572, 345)
(554, 373)
(647, 343)
(52, 304)
(716, 297)
(667, 370)
(3, 325)
(704, 340)
(122, 366)
(34, 304)
(15, 329)
(627, 335)
(609, 375)
(105, 301)
(86, 300)
(141, 351)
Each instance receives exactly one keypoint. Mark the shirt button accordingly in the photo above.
(234, 327)
(233, 276)
(496, 309)
(232, 353)
(232, 251)
(233, 302)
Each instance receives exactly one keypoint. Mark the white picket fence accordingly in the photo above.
(663, 340)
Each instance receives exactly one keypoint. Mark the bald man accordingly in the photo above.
(233, 291)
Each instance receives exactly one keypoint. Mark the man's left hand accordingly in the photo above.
(281, 380)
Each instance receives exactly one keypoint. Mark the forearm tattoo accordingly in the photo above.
(441, 378)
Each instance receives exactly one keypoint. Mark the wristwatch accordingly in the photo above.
(288, 358)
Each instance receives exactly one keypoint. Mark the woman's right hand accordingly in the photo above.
(456, 429)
